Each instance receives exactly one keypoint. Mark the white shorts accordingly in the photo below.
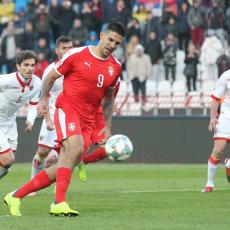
(223, 127)
(46, 137)
(8, 137)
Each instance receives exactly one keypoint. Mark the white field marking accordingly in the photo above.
(135, 191)
(5, 216)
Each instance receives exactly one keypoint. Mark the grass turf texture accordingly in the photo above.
(121, 196)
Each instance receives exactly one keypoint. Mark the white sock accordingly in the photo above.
(212, 170)
(228, 163)
(37, 164)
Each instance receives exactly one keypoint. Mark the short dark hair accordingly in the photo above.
(63, 39)
(116, 27)
(24, 55)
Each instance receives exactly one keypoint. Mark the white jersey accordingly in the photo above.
(56, 89)
(46, 137)
(222, 88)
(14, 93)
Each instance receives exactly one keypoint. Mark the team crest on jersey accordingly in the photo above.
(31, 87)
(110, 70)
(71, 126)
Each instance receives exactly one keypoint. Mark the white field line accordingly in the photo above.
(133, 191)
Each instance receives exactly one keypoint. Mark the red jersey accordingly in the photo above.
(86, 80)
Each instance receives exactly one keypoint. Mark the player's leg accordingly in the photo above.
(227, 168)
(46, 141)
(69, 133)
(6, 160)
(96, 155)
(91, 137)
(214, 163)
(8, 146)
(39, 159)
(42, 180)
(72, 150)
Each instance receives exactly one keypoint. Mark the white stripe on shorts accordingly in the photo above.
(61, 116)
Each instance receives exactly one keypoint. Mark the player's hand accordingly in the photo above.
(29, 127)
(212, 125)
(106, 132)
(43, 107)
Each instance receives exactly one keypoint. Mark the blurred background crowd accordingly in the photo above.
(166, 40)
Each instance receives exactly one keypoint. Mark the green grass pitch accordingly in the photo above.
(126, 196)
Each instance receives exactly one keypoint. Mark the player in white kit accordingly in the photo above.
(47, 135)
(16, 89)
(220, 125)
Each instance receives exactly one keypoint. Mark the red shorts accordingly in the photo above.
(98, 126)
(68, 123)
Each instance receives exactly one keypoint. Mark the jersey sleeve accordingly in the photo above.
(220, 88)
(114, 84)
(47, 70)
(64, 65)
(5, 82)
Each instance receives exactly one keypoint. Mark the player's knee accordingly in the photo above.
(43, 151)
(8, 160)
(218, 152)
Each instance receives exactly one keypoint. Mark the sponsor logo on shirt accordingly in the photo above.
(15, 87)
(88, 64)
(110, 70)
(71, 126)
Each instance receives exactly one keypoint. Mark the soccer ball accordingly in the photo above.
(119, 147)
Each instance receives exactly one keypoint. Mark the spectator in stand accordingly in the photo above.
(138, 71)
(141, 14)
(227, 22)
(196, 21)
(167, 15)
(42, 22)
(93, 39)
(88, 17)
(132, 43)
(55, 11)
(108, 11)
(154, 50)
(79, 33)
(133, 28)
(170, 27)
(96, 7)
(211, 49)
(223, 64)
(66, 17)
(190, 71)
(153, 24)
(169, 57)
(11, 44)
(18, 24)
(42, 46)
(183, 27)
(41, 64)
(6, 13)
(121, 13)
(216, 19)
(29, 37)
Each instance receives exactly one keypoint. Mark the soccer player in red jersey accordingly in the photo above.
(90, 75)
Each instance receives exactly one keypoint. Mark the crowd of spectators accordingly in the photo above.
(200, 29)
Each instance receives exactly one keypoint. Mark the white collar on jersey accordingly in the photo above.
(91, 51)
(22, 82)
